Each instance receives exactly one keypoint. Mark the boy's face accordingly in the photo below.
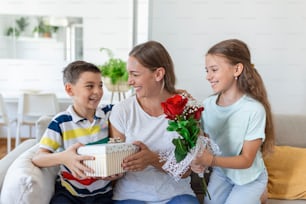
(86, 93)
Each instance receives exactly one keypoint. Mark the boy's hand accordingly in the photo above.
(73, 161)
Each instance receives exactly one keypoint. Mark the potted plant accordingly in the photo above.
(43, 29)
(20, 27)
(114, 73)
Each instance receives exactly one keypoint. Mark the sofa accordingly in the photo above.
(21, 182)
(286, 166)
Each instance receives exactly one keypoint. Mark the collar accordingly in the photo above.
(76, 118)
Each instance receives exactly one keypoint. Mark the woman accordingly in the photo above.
(140, 120)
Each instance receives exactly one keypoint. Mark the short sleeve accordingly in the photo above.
(117, 117)
(257, 124)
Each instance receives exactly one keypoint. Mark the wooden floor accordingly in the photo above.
(3, 146)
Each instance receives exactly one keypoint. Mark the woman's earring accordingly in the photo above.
(236, 77)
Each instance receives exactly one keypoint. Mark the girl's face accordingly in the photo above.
(86, 93)
(220, 74)
(141, 78)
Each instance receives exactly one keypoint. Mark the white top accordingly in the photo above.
(150, 185)
(230, 126)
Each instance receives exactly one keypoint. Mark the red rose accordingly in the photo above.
(197, 114)
(174, 106)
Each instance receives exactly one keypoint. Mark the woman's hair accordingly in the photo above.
(249, 81)
(153, 55)
(72, 71)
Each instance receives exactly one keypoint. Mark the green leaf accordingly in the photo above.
(184, 133)
(179, 156)
(180, 151)
(172, 126)
(114, 68)
(182, 124)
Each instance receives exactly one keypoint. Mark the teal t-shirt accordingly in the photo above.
(230, 126)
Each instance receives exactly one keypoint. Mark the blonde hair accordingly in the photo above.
(249, 81)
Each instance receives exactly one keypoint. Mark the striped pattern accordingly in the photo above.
(66, 129)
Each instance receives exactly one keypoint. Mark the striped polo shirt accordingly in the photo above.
(68, 128)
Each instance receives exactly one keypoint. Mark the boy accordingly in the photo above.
(81, 123)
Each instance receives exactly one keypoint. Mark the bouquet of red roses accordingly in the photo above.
(184, 116)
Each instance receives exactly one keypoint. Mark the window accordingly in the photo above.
(41, 37)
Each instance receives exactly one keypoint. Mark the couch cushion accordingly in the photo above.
(6, 161)
(287, 173)
(25, 183)
(290, 130)
(274, 201)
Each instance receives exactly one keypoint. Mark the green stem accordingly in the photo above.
(205, 188)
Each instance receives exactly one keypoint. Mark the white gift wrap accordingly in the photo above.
(108, 157)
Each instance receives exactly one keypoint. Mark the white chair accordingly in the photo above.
(5, 121)
(31, 106)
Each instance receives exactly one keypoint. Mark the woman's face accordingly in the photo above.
(220, 74)
(141, 78)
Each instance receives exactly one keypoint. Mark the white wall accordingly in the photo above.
(274, 30)
(106, 23)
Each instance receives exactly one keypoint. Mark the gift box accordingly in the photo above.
(108, 157)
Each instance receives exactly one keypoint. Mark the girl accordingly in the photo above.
(239, 119)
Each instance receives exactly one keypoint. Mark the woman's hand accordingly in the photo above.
(141, 159)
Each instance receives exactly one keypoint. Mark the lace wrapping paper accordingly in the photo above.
(176, 170)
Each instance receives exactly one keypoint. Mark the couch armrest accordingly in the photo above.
(6, 161)
(41, 125)
(26, 183)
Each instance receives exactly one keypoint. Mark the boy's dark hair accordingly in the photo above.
(72, 71)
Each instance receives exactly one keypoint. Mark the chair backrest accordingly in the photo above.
(3, 112)
(41, 125)
(37, 104)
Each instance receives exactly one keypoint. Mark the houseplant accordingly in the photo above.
(20, 27)
(114, 73)
(44, 30)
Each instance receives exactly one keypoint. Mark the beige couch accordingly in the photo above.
(290, 130)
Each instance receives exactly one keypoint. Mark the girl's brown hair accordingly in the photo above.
(249, 81)
(153, 55)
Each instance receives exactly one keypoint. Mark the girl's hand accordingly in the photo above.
(202, 161)
(196, 167)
